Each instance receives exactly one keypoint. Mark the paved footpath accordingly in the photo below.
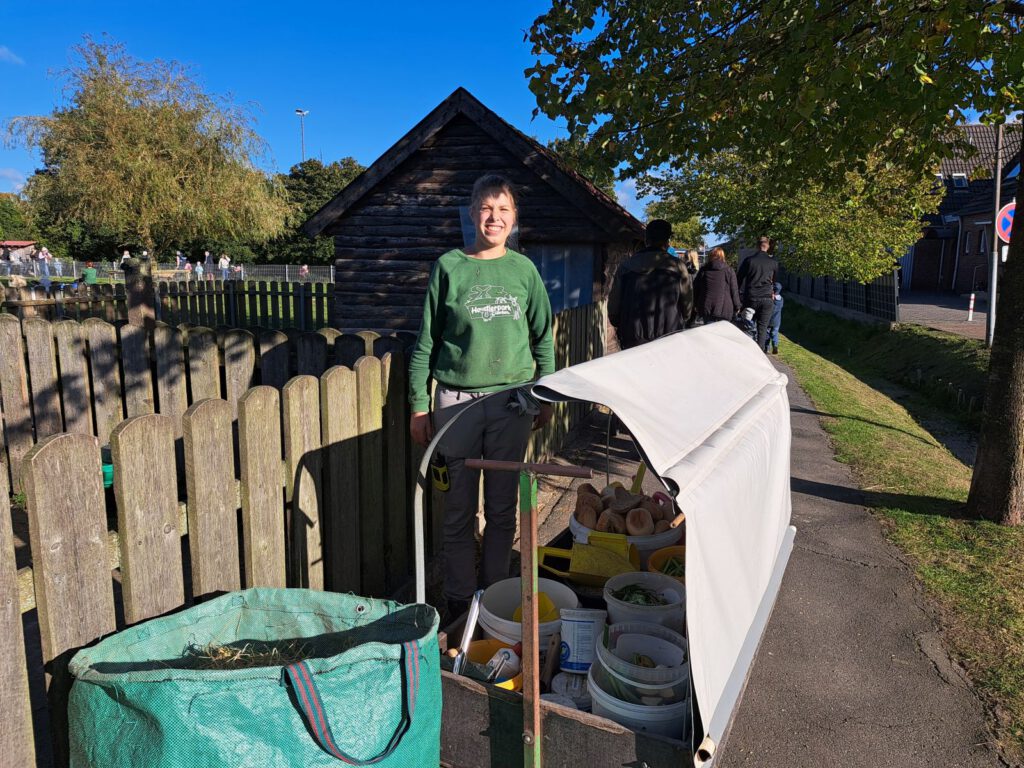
(944, 312)
(851, 670)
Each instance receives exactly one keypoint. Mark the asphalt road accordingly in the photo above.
(851, 669)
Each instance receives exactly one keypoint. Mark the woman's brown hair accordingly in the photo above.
(717, 253)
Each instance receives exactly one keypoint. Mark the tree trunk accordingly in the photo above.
(997, 487)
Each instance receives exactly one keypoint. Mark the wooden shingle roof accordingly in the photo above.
(592, 202)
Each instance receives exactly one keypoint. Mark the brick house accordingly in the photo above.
(947, 256)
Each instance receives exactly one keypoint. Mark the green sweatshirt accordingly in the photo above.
(486, 326)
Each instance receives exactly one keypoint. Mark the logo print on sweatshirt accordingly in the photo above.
(486, 302)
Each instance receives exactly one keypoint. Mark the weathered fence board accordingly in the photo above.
(203, 364)
(147, 516)
(70, 560)
(311, 354)
(138, 376)
(274, 362)
(42, 373)
(239, 365)
(17, 408)
(106, 377)
(16, 722)
(395, 425)
(348, 348)
(371, 475)
(303, 462)
(75, 393)
(212, 511)
(259, 450)
(172, 389)
(339, 418)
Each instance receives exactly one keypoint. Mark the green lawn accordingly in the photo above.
(972, 570)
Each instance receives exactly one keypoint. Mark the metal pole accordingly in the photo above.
(302, 136)
(531, 621)
(993, 270)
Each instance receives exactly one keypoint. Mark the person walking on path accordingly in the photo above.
(486, 329)
(651, 294)
(775, 323)
(756, 277)
(716, 291)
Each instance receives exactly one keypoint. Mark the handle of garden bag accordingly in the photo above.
(314, 713)
(562, 554)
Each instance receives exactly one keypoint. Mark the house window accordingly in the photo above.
(1014, 172)
(967, 242)
(982, 239)
(567, 272)
(959, 181)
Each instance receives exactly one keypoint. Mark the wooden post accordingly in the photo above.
(146, 488)
(16, 723)
(212, 510)
(76, 395)
(139, 398)
(170, 373)
(303, 461)
(339, 420)
(531, 646)
(259, 452)
(239, 365)
(274, 363)
(311, 354)
(371, 475)
(141, 296)
(70, 560)
(106, 376)
(17, 409)
(42, 371)
(203, 364)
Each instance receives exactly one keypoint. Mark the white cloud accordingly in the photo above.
(10, 57)
(11, 178)
(626, 194)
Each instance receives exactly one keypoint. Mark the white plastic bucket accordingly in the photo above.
(645, 545)
(669, 720)
(666, 647)
(670, 615)
(499, 603)
(581, 629)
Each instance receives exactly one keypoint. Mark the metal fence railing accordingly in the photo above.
(67, 268)
(879, 298)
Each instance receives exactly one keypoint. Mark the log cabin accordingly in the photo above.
(391, 222)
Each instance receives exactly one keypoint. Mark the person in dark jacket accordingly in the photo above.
(756, 277)
(651, 294)
(715, 289)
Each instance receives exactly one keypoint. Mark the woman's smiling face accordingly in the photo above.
(494, 218)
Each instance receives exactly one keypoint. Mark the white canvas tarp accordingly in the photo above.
(710, 414)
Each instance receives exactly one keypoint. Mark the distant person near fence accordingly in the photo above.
(757, 275)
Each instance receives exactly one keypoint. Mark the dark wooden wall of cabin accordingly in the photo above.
(386, 244)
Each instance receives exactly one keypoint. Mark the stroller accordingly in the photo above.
(745, 322)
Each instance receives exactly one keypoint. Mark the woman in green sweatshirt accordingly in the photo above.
(486, 328)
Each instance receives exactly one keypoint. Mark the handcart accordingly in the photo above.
(719, 442)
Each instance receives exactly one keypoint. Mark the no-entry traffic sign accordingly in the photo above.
(1004, 221)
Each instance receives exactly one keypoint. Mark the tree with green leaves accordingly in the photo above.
(850, 228)
(309, 186)
(578, 156)
(14, 219)
(816, 90)
(688, 229)
(141, 155)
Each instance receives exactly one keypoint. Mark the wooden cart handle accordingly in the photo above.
(560, 470)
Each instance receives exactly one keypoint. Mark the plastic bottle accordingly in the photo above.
(507, 662)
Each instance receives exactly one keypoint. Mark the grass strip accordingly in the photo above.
(935, 364)
(973, 570)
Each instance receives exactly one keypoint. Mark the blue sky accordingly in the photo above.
(367, 71)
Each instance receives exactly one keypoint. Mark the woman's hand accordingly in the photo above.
(547, 411)
(421, 429)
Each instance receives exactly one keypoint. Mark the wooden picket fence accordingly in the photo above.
(234, 303)
(307, 484)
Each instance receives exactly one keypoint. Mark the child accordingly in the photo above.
(776, 320)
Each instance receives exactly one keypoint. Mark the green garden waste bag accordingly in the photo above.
(357, 682)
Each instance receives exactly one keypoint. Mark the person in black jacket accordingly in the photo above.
(756, 278)
(716, 290)
(651, 294)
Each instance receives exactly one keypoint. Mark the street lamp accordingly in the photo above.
(302, 130)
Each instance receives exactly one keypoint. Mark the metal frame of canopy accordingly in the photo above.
(484, 725)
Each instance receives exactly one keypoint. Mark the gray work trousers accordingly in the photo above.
(488, 429)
